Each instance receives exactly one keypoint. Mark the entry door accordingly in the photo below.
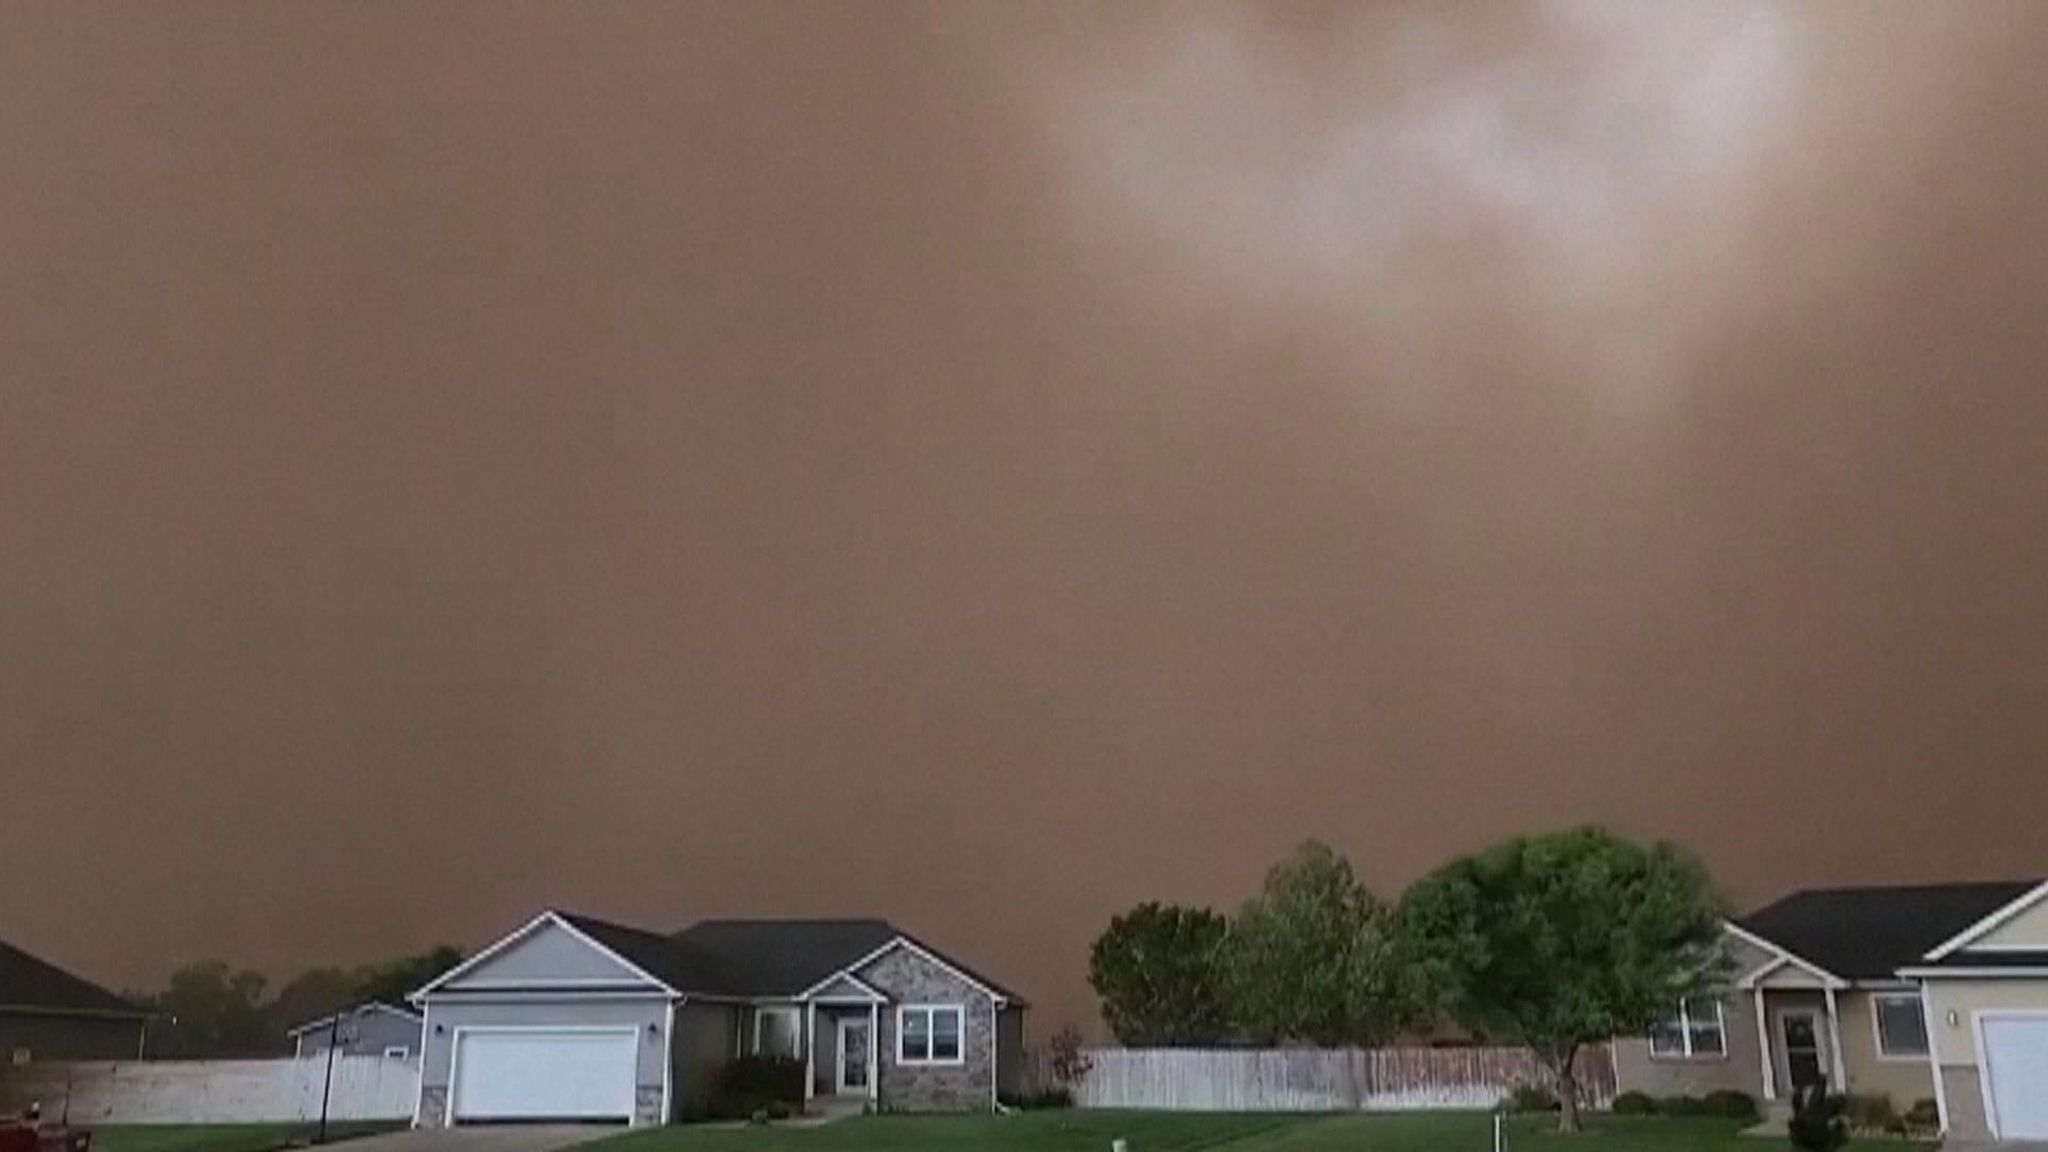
(1803, 1063)
(853, 1055)
(2016, 1075)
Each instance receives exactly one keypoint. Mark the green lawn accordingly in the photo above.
(217, 1137)
(1091, 1131)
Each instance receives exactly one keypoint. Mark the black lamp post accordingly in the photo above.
(327, 1086)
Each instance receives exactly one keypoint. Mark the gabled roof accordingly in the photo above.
(673, 961)
(1871, 933)
(748, 959)
(378, 1006)
(783, 957)
(38, 985)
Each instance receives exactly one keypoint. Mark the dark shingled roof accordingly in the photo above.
(783, 957)
(754, 957)
(26, 982)
(1871, 933)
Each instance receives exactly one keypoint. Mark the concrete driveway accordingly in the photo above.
(501, 1138)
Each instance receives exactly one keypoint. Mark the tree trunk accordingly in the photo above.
(1563, 1069)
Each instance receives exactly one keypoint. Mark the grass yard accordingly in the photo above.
(1092, 1131)
(217, 1137)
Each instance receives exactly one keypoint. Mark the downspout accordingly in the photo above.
(1934, 1054)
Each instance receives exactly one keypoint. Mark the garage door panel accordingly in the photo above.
(545, 1074)
(2016, 1075)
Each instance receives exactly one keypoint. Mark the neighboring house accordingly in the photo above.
(1933, 992)
(372, 1029)
(47, 1013)
(570, 1018)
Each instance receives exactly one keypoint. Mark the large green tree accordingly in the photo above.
(1566, 940)
(1310, 958)
(210, 1010)
(1158, 969)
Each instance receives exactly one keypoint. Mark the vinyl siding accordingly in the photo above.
(43, 1036)
(646, 1015)
(1905, 1080)
(2028, 930)
(548, 956)
(1955, 1045)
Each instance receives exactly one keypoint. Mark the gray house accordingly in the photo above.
(572, 1018)
(372, 1029)
(47, 1013)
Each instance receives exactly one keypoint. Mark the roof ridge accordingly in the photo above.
(1933, 886)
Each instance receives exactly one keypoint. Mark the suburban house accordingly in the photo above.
(372, 1029)
(572, 1018)
(47, 1013)
(1935, 992)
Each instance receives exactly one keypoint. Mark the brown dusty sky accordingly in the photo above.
(987, 465)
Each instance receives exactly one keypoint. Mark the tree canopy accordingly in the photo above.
(1310, 957)
(1565, 940)
(1159, 971)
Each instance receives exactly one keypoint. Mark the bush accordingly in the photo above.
(1731, 1105)
(1531, 1098)
(1633, 1104)
(1682, 1106)
(759, 1088)
(1045, 1099)
(1817, 1123)
(1923, 1116)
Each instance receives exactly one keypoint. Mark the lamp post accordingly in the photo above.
(327, 1085)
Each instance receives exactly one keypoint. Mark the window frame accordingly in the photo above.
(931, 1012)
(1684, 1019)
(796, 1029)
(1877, 1028)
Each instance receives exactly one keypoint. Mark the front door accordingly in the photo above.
(1803, 1063)
(853, 1056)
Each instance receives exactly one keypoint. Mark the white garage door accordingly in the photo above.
(2016, 1075)
(551, 1074)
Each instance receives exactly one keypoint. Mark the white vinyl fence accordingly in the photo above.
(1319, 1080)
(216, 1091)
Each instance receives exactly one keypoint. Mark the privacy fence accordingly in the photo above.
(215, 1091)
(1317, 1079)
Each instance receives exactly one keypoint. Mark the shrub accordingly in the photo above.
(1682, 1106)
(759, 1088)
(1070, 1064)
(1633, 1104)
(1731, 1105)
(1531, 1098)
(1923, 1116)
(1044, 1099)
(1817, 1120)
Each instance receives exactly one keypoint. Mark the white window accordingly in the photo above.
(930, 1034)
(1901, 1027)
(397, 1052)
(777, 1031)
(1696, 1031)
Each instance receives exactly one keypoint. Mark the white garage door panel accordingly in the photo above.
(2016, 1061)
(580, 1074)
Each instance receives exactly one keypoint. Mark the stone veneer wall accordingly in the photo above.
(908, 978)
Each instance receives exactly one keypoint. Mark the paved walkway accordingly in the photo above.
(497, 1138)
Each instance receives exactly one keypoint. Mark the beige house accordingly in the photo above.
(1931, 993)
